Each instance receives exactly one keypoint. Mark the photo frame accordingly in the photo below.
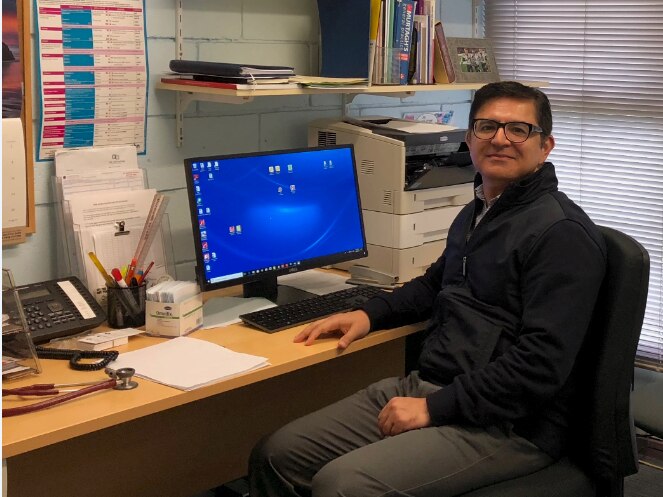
(473, 60)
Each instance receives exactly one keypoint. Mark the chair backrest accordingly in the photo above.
(612, 343)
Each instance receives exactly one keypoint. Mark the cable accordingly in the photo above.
(74, 357)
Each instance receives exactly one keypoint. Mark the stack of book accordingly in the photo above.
(390, 42)
(403, 32)
(229, 76)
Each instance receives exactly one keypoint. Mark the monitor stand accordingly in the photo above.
(279, 294)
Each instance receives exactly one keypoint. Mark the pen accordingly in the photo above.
(130, 271)
(142, 276)
(109, 280)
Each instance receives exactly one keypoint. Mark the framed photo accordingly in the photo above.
(473, 60)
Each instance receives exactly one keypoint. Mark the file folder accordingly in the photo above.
(344, 38)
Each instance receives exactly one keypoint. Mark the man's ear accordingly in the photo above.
(468, 136)
(547, 144)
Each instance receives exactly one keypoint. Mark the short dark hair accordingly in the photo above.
(513, 89)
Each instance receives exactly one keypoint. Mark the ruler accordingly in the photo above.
(150, 229)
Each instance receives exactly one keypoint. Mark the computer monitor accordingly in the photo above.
(259, 215)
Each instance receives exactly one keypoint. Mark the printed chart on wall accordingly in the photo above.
(93, 74)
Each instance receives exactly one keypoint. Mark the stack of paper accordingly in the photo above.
(104, 204)
(188, 363)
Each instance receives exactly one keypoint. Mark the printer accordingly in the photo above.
(414, 178)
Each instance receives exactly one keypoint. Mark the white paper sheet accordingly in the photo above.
(418, 127)
(187, 363)
(317, 282)
(224, 311)
(83, 160)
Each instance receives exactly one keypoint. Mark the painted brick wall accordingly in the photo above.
(283, 32)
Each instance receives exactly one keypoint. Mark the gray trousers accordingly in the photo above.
(339, 451)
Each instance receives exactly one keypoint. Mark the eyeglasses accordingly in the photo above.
(515, 132)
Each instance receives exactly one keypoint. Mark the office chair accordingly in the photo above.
(610, 454)
(647, 401)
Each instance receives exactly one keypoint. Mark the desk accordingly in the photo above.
(159, 441)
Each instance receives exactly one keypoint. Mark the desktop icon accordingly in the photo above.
(231, 230)
(201, 223)
(289, 168)
(208, 267)
(280, 190)
(238, 229)
(200, 211)
(214, 255)
(196, 177)
(271, 169)
(197, 189)
(205, 246)
(199, 200)
(203, 235)
(207, 210)
(277, 169)
(324, 164)
(206, 257)
(292, 188)
(210, 176)
(331, 164)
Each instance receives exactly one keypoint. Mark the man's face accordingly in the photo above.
(499, 161)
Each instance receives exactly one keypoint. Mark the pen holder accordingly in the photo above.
(126, 306)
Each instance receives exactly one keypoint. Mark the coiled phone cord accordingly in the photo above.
(75, 356)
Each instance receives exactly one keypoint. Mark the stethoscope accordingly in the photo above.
(120, 379)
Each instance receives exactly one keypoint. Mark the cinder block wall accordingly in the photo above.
(283, 32)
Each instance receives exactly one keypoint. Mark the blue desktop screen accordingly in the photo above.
(274, 213)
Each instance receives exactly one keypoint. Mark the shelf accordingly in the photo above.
(187, 94)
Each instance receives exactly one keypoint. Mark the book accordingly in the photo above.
(228, 69)
(376, 7)
(388, 62)
(423, 46)
(442, 65)
(344, 38)
(403, 24)
(239, 80)
(412, 77)
(229, 86)
(429, 9)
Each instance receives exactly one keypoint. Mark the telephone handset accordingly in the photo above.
(59, 308)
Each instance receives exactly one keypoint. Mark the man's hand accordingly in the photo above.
(353, 325)
(403, 414)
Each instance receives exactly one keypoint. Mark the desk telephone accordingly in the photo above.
(59, 308)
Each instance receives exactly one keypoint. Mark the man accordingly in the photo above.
(508, 302)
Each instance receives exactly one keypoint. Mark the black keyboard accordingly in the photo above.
(289, 315)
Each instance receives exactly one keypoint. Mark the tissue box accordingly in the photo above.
(164, 319)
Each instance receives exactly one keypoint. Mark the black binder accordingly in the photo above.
(344, 37)
(228, 69)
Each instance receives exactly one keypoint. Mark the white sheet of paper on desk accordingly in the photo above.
(317, 282)
(224, 311)
(187, 363)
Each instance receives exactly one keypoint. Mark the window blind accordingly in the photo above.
(604, 62)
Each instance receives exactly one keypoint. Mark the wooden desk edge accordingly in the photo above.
(327, 351)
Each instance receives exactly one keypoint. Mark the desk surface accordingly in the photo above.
(104, 409)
